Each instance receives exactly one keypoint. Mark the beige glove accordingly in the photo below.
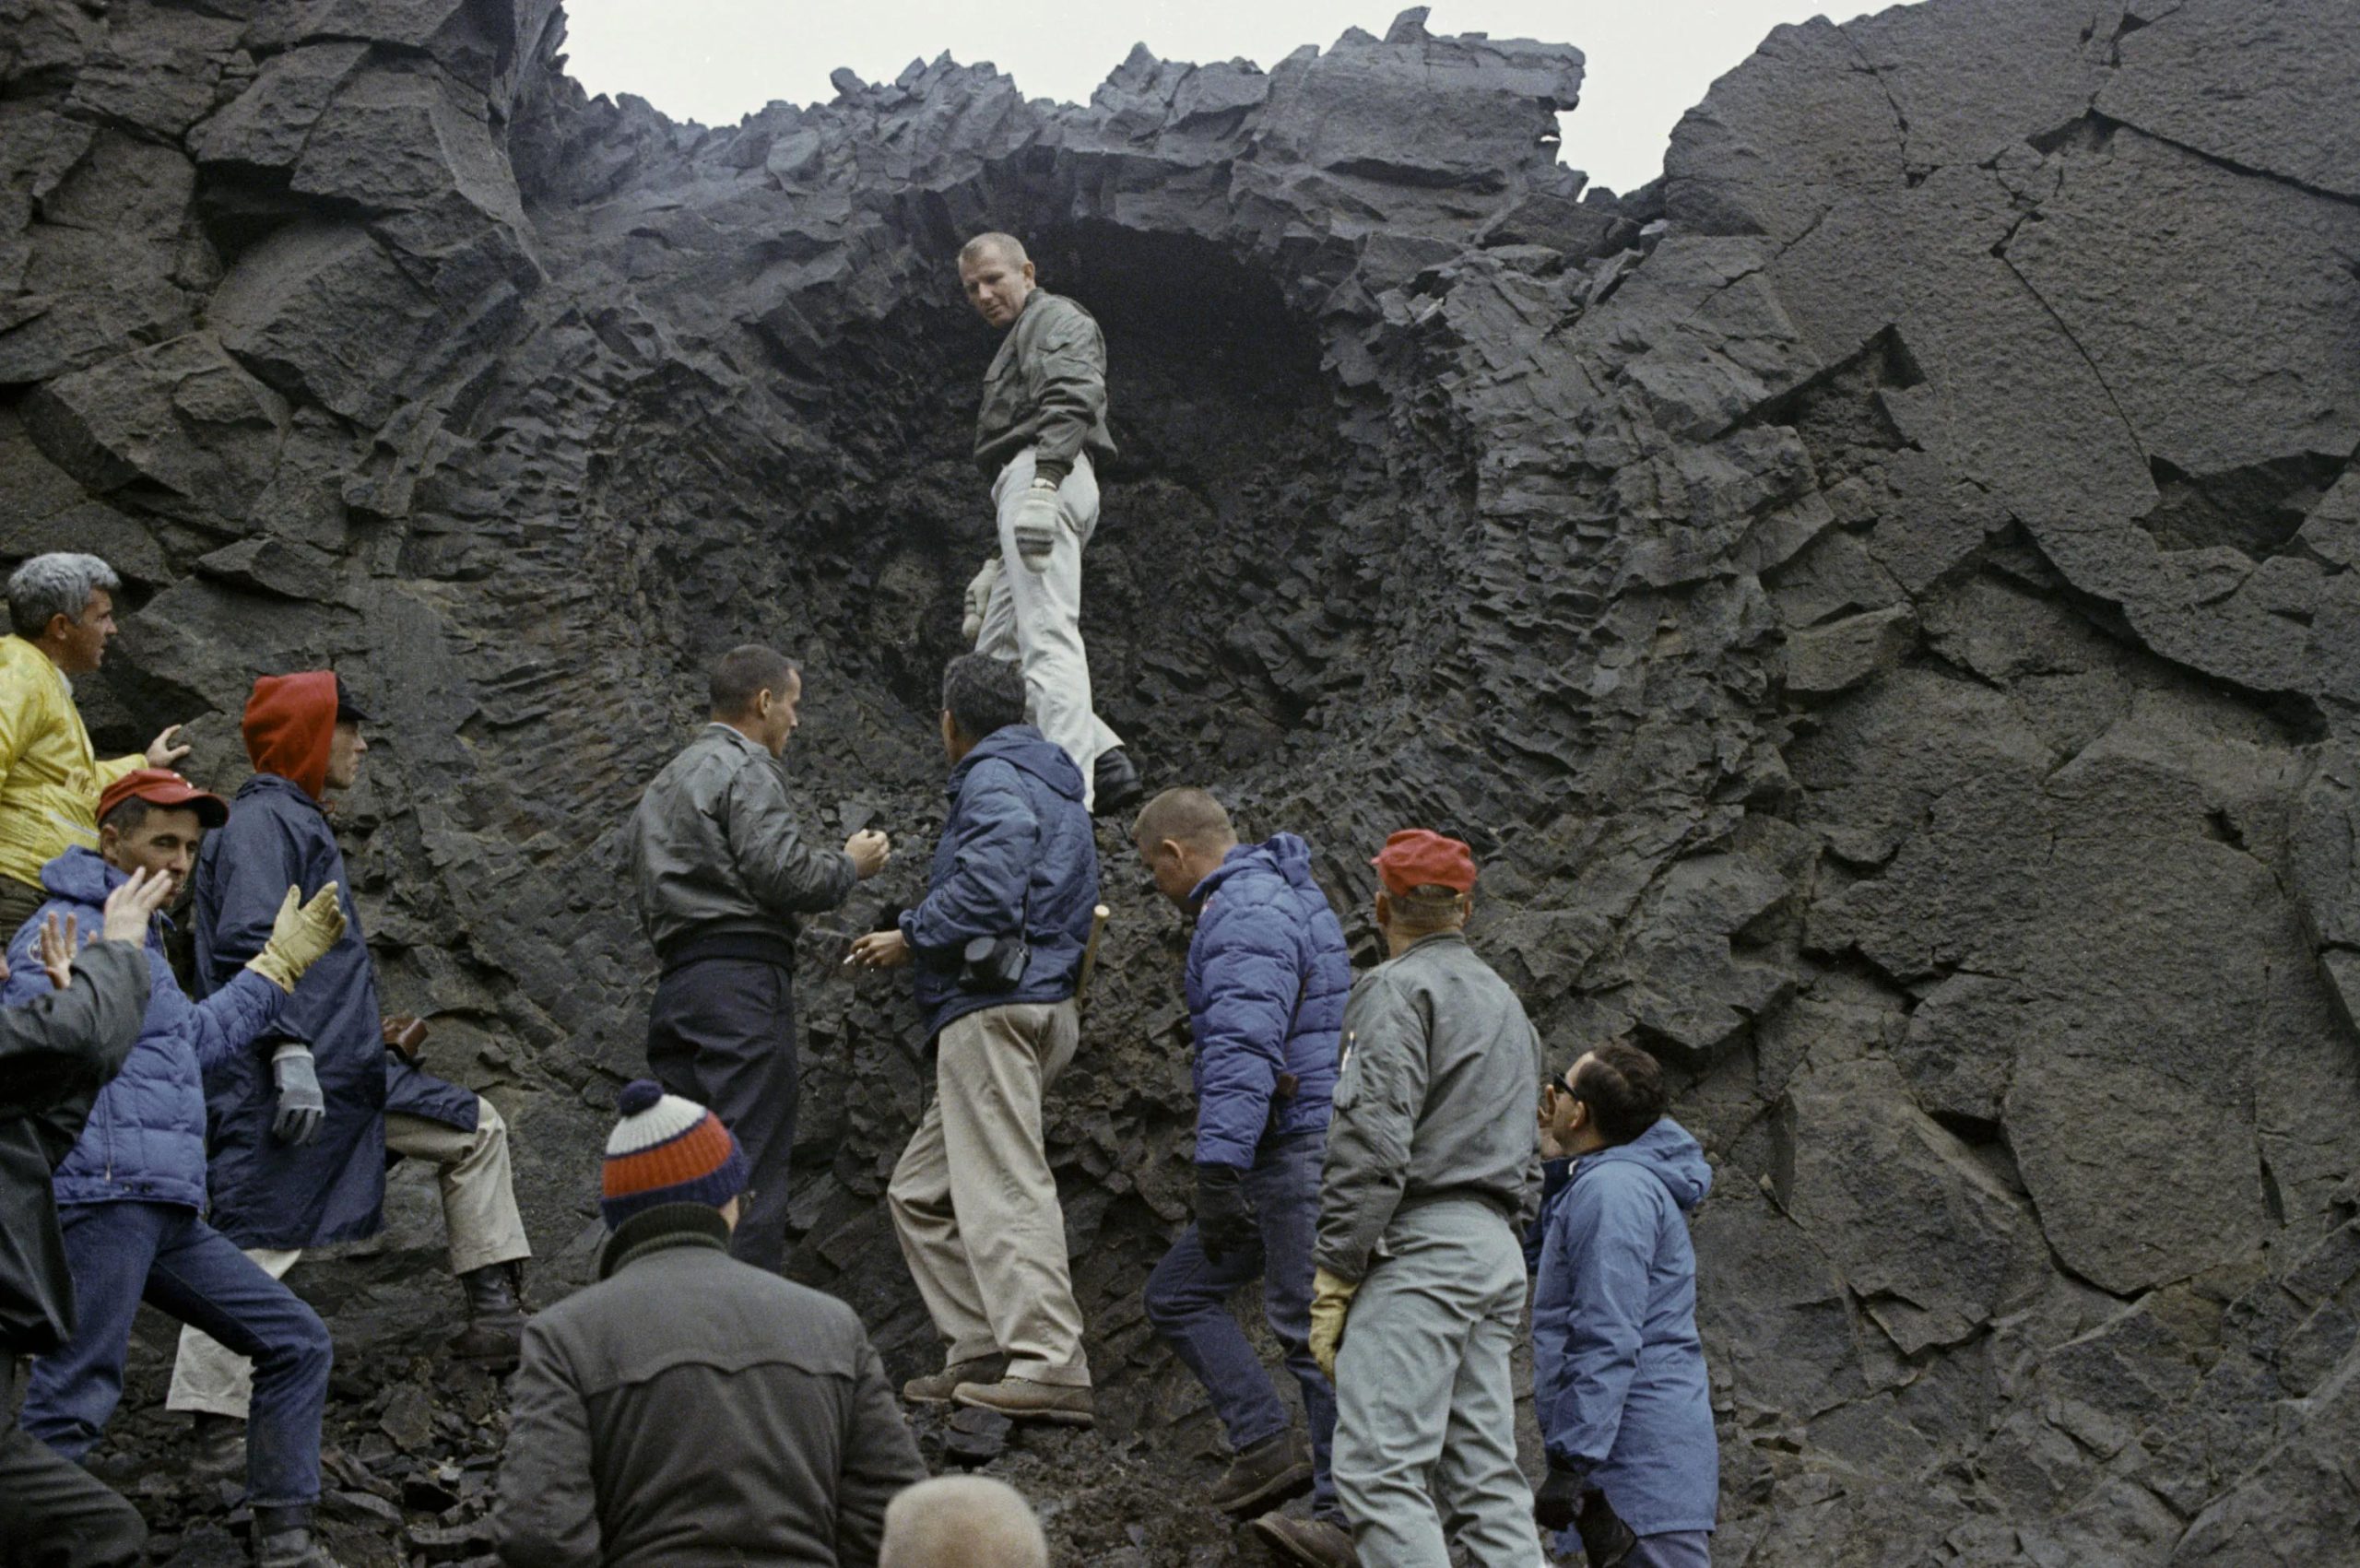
(299, 937)
(1331, 1299)
(979, 599)
(1037, 526)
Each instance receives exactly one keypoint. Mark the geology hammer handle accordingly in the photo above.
(1090, 956)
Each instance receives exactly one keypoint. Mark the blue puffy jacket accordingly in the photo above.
(1267, 977)
(1618, 1372)
(145, 1140)
(1016, 848)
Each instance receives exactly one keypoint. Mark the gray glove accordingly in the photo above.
(302, 1106)
(1037, 526)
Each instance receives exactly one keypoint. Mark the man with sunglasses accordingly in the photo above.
(1618, 1371)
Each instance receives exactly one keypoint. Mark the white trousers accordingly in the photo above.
(1035, 618)
(478, 1213)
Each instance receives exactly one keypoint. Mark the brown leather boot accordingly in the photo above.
(1315, 1543)
(1266, 1473)
(495, 1330)
(936, 1388)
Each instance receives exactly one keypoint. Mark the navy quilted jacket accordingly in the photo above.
(1268, 978)
(145, 1140)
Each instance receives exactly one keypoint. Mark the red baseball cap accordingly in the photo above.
(1415, 857)
(162, 786)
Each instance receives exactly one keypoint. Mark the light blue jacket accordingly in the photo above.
(1618, 1371)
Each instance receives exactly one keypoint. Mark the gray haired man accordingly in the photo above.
(1042, 424)
(61, 617)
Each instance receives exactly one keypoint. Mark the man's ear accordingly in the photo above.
(1384, 909)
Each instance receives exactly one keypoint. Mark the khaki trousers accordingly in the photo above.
(974, 1205)
(478, 1214)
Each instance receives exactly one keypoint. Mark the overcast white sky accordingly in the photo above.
(715, 61)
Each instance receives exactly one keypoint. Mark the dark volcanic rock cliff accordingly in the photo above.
(1880, 602)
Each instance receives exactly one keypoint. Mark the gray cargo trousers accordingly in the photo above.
(1425, 1404)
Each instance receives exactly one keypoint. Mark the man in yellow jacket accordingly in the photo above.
(61, 610)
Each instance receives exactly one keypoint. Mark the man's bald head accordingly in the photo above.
(963, 1522)
(1190, 816)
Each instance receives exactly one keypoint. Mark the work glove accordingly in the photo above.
(979, 599)
(1560, 1497)
(1036, 524)
(1224, 1220)
(299, 936)
(1331, 1298)
(1607, 1541)
(302, 1106)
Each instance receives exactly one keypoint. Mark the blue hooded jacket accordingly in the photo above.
(145, 1140)
(1267, 980)
(1618, 1371)
(1016, 849)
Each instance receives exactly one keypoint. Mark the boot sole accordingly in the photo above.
(1278, 1488)
(1287, 1548)
(1051, 1418)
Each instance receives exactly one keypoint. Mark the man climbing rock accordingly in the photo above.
(1432, 1165)
(998, 943)
(131, 1195)
(57, 1054)
(723, 874)
(1618, 1370)
(61, 618)
(301, 1125)
(1265, 982)
(689, 1408)
(1042, 424)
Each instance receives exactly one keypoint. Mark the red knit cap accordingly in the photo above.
(667, 1150)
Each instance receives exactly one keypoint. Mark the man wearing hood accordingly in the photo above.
(131, 1194)
(1618, 1371)
(998, 943)
(1266, 981)
(299, 1127)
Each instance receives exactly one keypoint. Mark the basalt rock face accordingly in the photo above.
(1880, 602)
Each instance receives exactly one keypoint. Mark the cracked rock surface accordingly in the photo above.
(1880, 600)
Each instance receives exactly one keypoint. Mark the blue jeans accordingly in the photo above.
(1188, 1299)
(123, 1253)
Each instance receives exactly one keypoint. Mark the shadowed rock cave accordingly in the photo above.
(1878, 600)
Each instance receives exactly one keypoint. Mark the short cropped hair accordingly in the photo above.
(962, 1522)
(1424, 910)
(1008, 246)
(745, 673)
(1622, 1086)
(1184, 815)
(128, 816)
(983, 694)
(55, 584)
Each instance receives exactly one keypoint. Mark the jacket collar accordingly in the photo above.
(1021, 746)
(732, 733)
(281, 783)
(1437, 939)
(660, 1229)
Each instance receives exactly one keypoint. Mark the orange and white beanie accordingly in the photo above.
(667, 1150)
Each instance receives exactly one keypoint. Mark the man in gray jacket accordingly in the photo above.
(687, 1411)
(1042, 427)
(1432, 1169)
(722, 873)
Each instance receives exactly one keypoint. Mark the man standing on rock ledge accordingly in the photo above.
(1043, 420)
(1433, 1168)
(724, 872)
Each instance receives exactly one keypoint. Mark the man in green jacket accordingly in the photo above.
(689, 1411)
(1042, 427)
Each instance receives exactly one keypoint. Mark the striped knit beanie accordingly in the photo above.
(667, 1150)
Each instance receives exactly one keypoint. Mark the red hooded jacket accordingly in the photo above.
(291, 719)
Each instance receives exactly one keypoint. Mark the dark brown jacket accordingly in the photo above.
(692, 1411)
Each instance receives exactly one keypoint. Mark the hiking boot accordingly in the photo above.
(1114, 783)
(495, 1328)
(217, 1447)
(936, 1388)
(1268, 1472)
(1020, 1398)
(283, 1539)
(1315, 1543)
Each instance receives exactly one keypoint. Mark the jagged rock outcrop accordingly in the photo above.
(1880, 601)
